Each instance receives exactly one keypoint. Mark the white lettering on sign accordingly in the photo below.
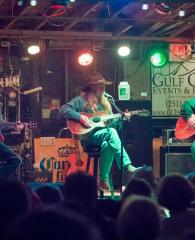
(10, 81)
(171, 86)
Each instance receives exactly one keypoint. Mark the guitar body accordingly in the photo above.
(83, 132)
(98, 120)
(182, 130)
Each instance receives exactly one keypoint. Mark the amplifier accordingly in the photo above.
(176, 159)
(179, 163)
(168, 137)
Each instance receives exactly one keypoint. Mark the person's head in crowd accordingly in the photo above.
(80, 187)
(191, 177)
(175, 192)
(109, 207)
(137, 186)
(54, 223)
(15, 200)
(49, 194)
(188, 235)
(139, 219)
(146, 173)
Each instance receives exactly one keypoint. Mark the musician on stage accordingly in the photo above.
(188, 113)
(9, 160)
(94, 100)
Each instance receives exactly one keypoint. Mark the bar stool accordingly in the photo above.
(93, 153)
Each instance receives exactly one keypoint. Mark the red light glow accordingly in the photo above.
(85, 59)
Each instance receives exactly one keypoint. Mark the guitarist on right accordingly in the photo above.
(188, 113)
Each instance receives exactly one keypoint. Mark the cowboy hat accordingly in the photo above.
(96, 78)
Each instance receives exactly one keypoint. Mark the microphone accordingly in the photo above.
(107, 95)
(33, 90)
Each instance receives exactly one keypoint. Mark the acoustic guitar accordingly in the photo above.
(182, 130)
(98, 121)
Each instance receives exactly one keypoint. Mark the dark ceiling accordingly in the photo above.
(97, 20)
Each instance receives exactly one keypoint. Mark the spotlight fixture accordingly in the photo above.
(59, 6)
(85, 58)
(144, 6)
(33, 3)
(33, 49)
(20, 3)
(163, 8)
(182, 13)
(123, 51)
(158, 57)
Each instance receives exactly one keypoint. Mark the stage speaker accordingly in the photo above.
(178, 163)
(137, 134)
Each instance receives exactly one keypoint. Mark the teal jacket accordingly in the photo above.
(188, 108)
(72, 109)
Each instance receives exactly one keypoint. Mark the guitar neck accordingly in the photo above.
(112, 116)
(7, 125)
(118, 115)
(11, 125)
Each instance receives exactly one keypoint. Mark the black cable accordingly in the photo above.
(112, 102)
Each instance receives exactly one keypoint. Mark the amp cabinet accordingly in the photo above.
(176, 159)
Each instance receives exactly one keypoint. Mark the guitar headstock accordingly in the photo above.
(141, 113)
(31, 125)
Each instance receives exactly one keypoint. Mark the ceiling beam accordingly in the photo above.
(91, 9)
(122, 31)
(17, 17)
(163, 30)
(64, 35)
(45, 21)
(179, 26)
(95, 19)
(184, 28)
(125, 28)
(158, 25)
(31, 34)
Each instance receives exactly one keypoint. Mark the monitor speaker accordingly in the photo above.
(178, 163)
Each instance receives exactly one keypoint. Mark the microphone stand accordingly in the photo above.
(122, 138)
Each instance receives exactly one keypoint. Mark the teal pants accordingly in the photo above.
(110, 144)
(193, 151)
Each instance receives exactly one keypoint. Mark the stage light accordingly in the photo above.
(33, 49)
(144, 6)
(33, 3)
(85, 58)
(158, 58)
(20, 3)
(72, 1)
(60, 6)
(123, 51)
(182, 13)
(163, 8)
